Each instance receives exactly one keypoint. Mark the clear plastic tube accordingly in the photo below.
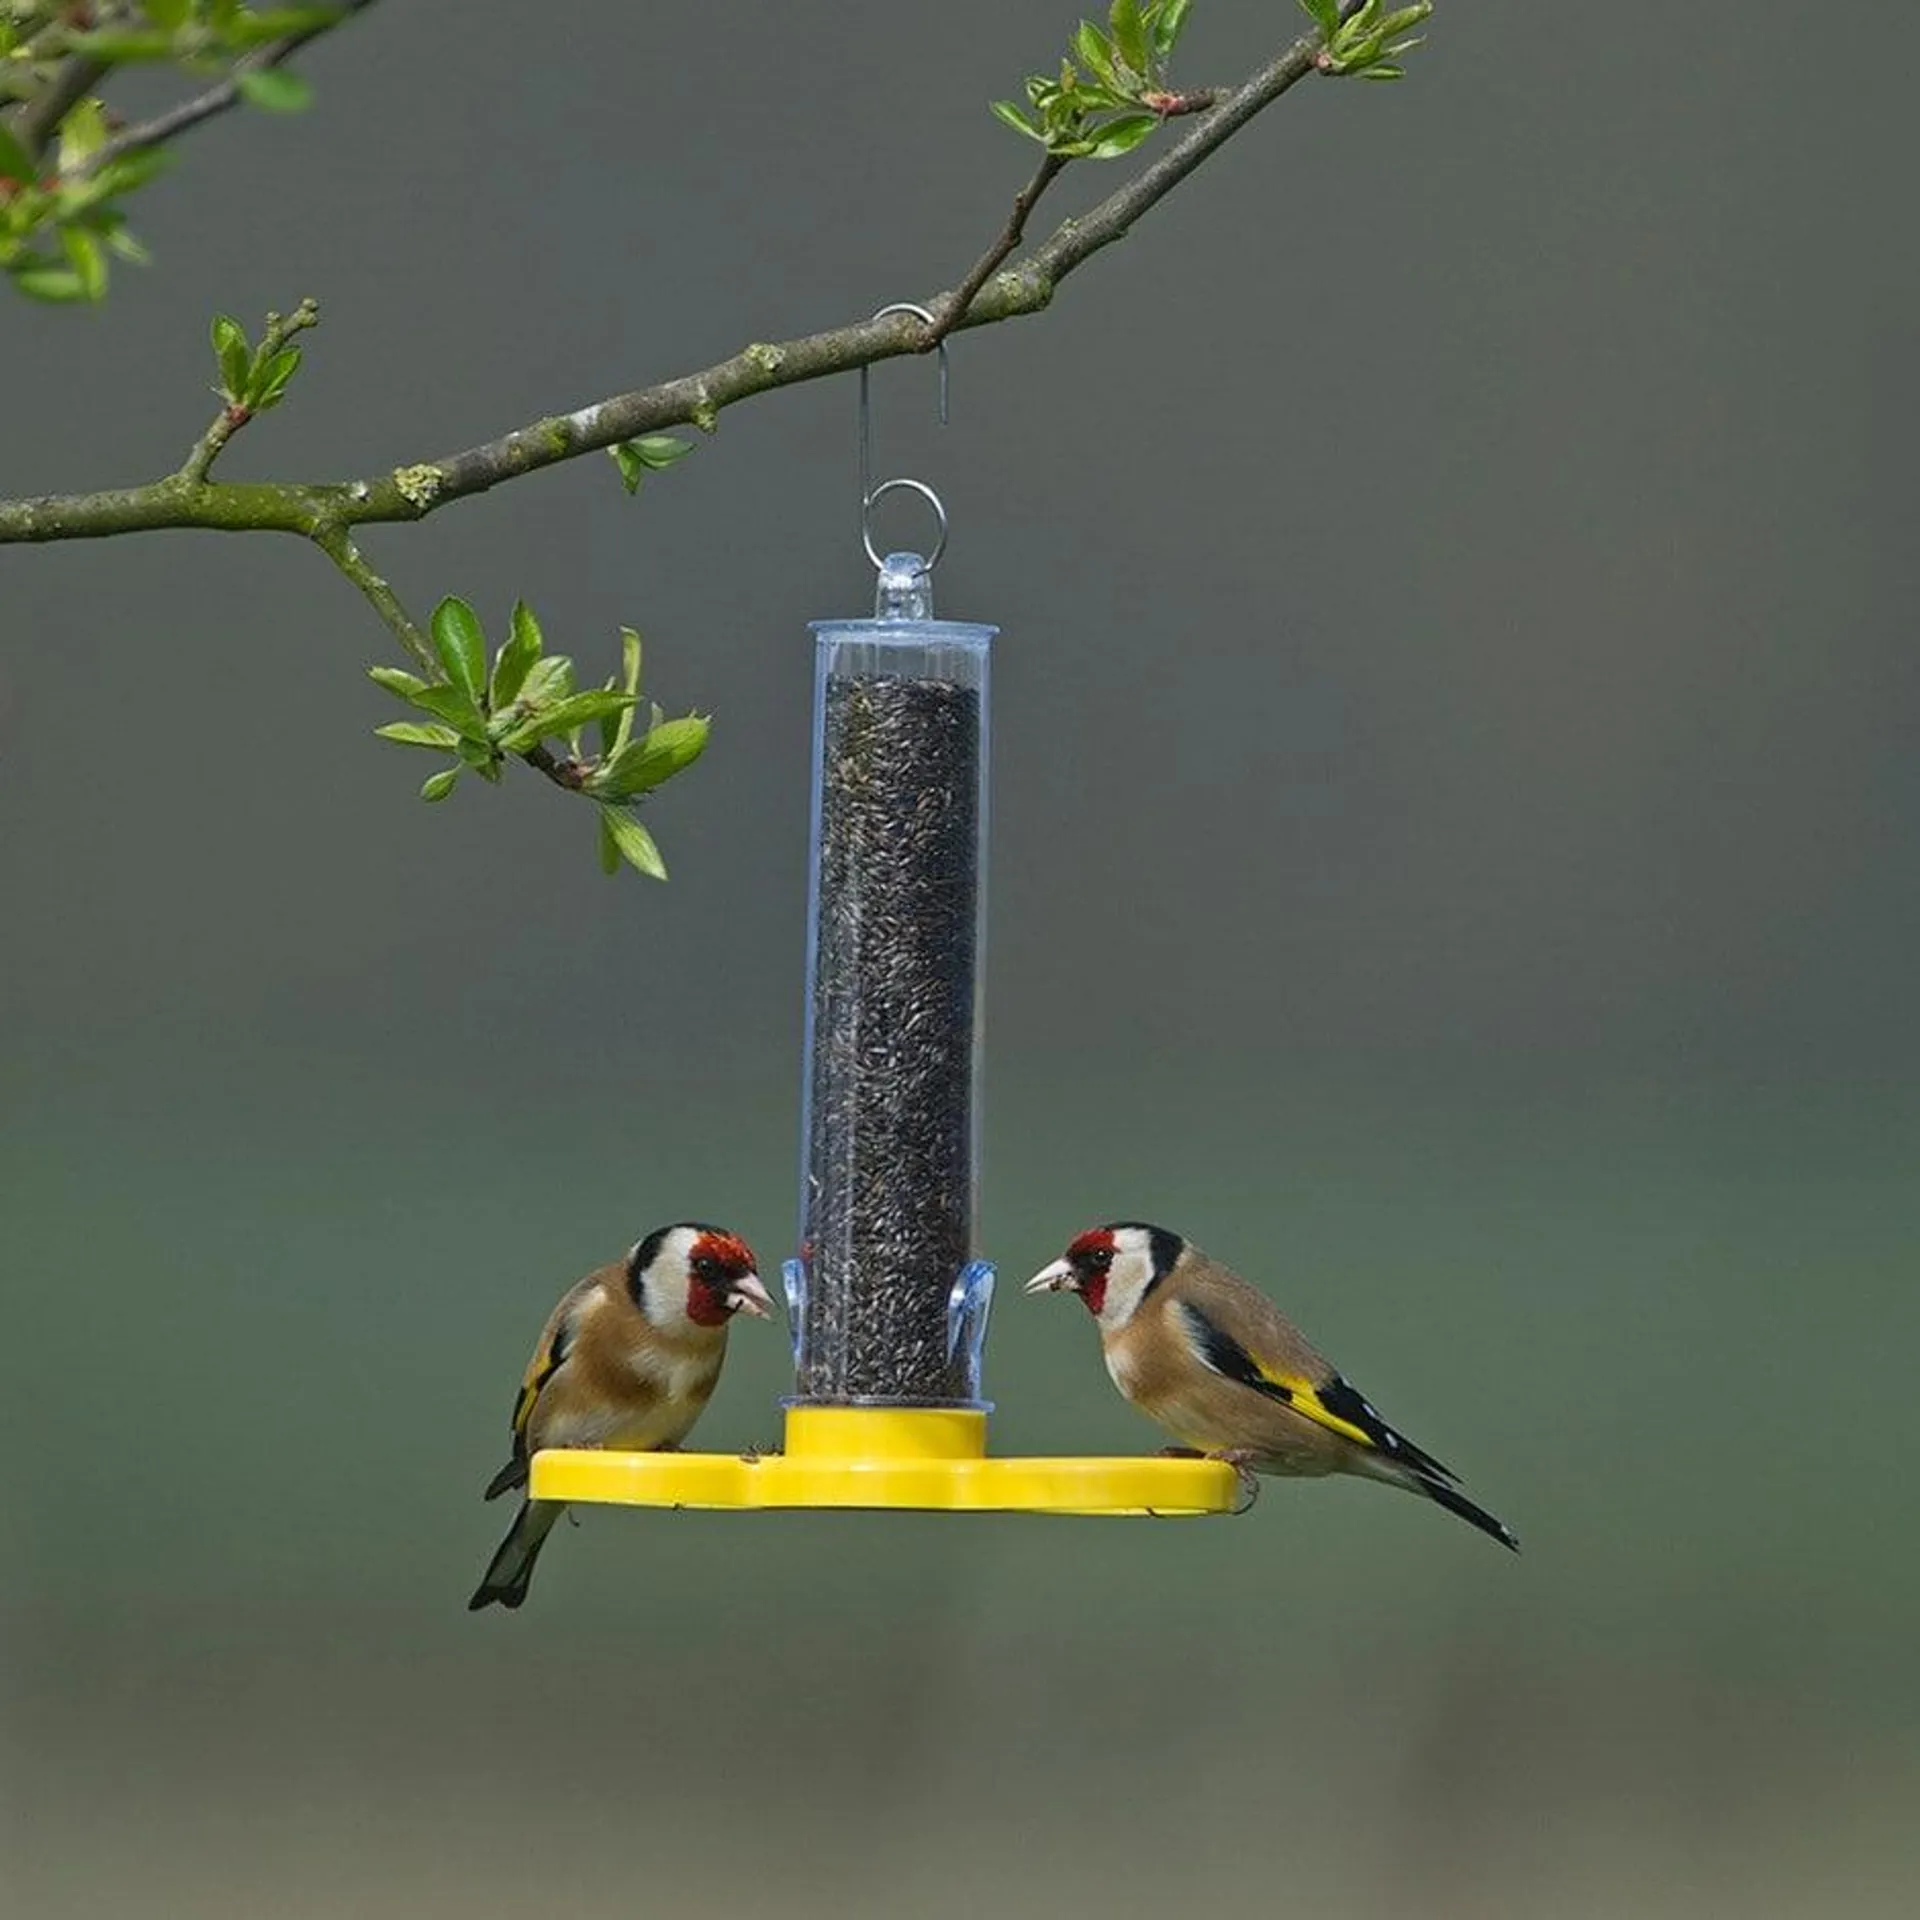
(889, 1306)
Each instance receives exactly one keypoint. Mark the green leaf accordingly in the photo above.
(480, 756)
(437, 786)
(15, 162)
(462, 646)
(235, 356)
(1090, 44)
(254, 29)
(124, 246)
(133, 170)
(269, 381)
(273, 89)
(609, 847)
(578, 708)
(88, 259)
(659, 450)
(397, 680)
(632, 841)
(1325, 14)
(1122, 135)
(415, 733)
(516, 656)
(455, 706)
(609, 724)
(49, 283)
(1129, 33)
(656, 757)
(563, 717)
(121, 48)
(1018, 121)
(170, 14)
(626, 456)
(75, 197)
(652, 451)
(550, 678)
(1168, 21)
(82, 134)
(617, 729)
(1379, 71)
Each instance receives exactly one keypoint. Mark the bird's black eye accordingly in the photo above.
(706, 1266)
(1100, 1259)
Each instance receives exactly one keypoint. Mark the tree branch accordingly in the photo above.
(39, 119)
(1051, 166)
(323, 511)
(217, 98)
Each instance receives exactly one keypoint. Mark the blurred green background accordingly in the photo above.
(1453, 856)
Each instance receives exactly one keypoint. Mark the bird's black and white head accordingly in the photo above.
(1113, 1269)
(695, 1274)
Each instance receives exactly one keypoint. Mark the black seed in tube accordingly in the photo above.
(889, 1200)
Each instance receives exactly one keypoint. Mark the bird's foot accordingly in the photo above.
(754, 1455)
(1241, 1460)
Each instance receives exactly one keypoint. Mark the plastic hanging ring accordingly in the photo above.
(869, 493)
(927, 494)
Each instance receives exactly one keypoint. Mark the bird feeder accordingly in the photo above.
(888, 1304)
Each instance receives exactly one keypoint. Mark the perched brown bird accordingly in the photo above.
(1211, 1358)
(627, 1359)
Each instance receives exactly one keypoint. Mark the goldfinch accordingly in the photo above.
(1211, 1358)
(627, 1359)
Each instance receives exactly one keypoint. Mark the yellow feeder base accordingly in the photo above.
(928, 1458)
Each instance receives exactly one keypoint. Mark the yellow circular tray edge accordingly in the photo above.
(926, 1459)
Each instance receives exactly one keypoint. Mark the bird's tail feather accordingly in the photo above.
(505, 1581)
(1457, 1502)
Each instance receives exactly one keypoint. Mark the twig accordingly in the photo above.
(337, 544)
(562, 771)
(1169, 106)
(1051, 166)
(39, 119)
(412, 492)
(235, 415)
(217, 98)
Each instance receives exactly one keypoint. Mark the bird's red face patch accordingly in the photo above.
(714, 1262)
(1090, 1257)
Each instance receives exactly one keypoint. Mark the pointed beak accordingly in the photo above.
(747, 1295)
(1051, 1279)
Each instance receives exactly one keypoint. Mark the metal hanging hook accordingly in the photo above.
(869, 493)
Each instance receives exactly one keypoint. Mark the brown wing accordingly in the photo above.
(1242, 1336)
(549, 1355)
